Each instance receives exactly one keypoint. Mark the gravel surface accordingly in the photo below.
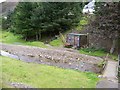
(64, 58)
(19, 85)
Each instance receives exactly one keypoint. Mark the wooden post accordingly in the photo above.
(88, 39)
(74, 40)
(79, 41)
(113, 46)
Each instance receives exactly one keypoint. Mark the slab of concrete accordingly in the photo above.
(107, 84)
(109, 76)
(110, 70)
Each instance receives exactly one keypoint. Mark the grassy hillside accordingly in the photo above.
(44, 76)
(97, 52)
(84, 21)
(10, 38)
(57, 42)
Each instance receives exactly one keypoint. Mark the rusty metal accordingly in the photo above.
(77, 40)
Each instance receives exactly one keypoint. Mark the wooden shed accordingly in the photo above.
(77, 40)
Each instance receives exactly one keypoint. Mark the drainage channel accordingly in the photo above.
(76, 65)
(7, 54)
(20, 57)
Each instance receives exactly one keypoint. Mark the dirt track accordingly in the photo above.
(54, 57)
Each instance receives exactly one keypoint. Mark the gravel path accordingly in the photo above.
(19, 85)
(64, 58)
(109, 76)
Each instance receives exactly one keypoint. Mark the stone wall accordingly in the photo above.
(99, 40)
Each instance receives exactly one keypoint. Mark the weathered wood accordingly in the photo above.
(77, 40)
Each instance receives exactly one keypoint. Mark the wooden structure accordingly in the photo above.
(77, 40)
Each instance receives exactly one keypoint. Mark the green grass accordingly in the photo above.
(96, 52)
(83, 21)
(56, 42)
(10, 38)
(36, 43)
(93, 53)
(7, 37)
(43, 76)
